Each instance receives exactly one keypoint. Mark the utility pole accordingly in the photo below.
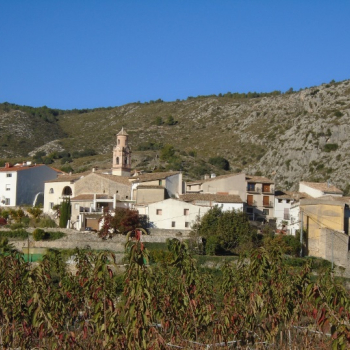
(301, 232)
(332, 248)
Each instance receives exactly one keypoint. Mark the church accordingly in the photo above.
(90, 192)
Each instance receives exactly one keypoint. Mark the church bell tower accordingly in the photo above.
(121, 164)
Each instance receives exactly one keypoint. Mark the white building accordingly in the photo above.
(319, 189)
(24, 184)
(173, 214)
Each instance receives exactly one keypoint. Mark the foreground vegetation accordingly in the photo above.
(257, 302)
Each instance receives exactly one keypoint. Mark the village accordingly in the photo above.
(171, 206)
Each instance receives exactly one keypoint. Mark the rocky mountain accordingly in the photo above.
(288, 137)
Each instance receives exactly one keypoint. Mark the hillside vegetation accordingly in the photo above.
(287, 137)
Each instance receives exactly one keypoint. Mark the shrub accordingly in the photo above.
(39, 234)
(292, 245)
(329, 147)
(220, 163)
(46, 221)
(20, 233)
(51, 236)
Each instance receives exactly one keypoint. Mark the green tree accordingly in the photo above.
(65, 211)
(159, 121)
(167, 152)
(224, 231)
(220, 163)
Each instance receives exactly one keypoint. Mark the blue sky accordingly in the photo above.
(84, 54)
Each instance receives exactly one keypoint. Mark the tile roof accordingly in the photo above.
(259, 179)
(219, 198)
(291, 195)
(323, 186)
(152, 176)
(70, 177)
(120, 179)
(122, 132)
(21, 167)
(75, 177)
(148, 187)
(90, 197)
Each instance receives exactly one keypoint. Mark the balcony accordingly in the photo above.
(252, 203)
(286, 217)
(268, 190)
(268, 204)
(251, 189)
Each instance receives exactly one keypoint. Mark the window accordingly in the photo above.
(250, 210)
(117, 160)
(187, 224)
(186, 211)
(126, 160)
(286, 215)
(280, 201)
(8, 175)
(266, 211)
(266, 188)
(118, 142)
(173, 224)
(266, 201)
(7, 201)
(76, 206)
(8, 187)
(159, 212)
(250, 187)
(160, 182)
(51, 190)
(51, 205)
(250, 200)
(287, 200)
(67, 191)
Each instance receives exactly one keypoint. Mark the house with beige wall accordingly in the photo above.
(153, 187)
(326, 222)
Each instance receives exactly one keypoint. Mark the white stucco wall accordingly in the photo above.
(279, 212)
(231, 206)
(173, 184)
(56, 196)
(294, 219)
(310, 191)
(173, 211)
(12, 184)
(31, 181)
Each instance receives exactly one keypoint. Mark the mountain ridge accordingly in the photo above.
(287, 137)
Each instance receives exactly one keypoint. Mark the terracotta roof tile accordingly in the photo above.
(152, 176)
(259, 179)
(323, 186)
(20, 167)
(291, 195)
(90, 197)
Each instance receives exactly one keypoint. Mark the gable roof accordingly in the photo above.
(75, 177)
(17, 168)
(323, 186)
(291, 195)
(219, 198)
(259, 179)
(90, 197)
(69, 177)
(152, 176)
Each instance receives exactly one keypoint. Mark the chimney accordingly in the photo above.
(7, 165)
